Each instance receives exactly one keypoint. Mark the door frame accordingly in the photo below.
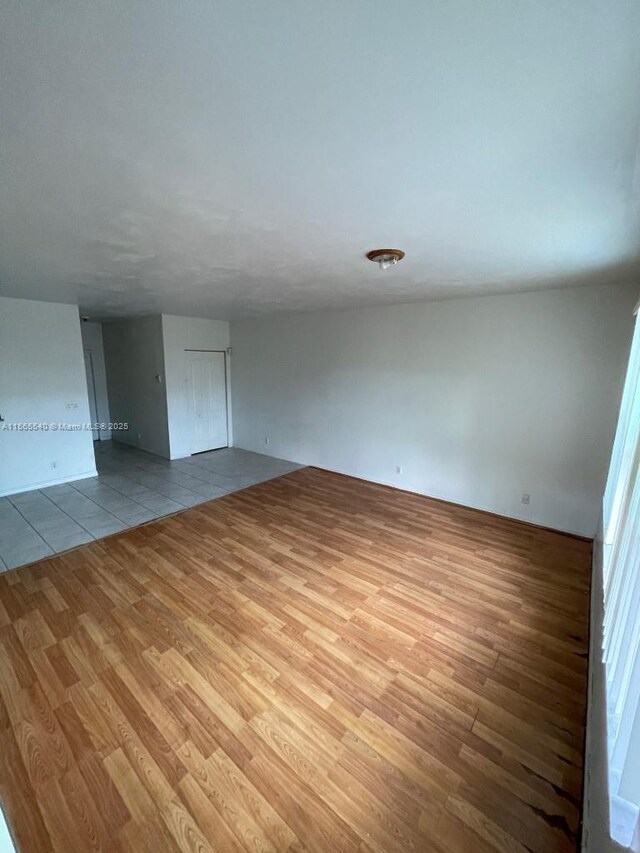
(227, 396)
(95, 433)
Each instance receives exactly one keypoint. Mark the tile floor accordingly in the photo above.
(132, 487)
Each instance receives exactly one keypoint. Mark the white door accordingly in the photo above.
(91, 391)
(208, 388)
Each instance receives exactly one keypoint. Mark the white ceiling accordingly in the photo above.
(229, 158)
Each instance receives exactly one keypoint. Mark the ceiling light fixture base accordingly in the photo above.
(385, 258)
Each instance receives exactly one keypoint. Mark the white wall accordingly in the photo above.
(180, 334)
(41, 372)
(92, 342)
(479, 400)
(134, 357)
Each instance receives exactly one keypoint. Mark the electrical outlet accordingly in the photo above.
(398, 469)
(71, 405)
(54, 464)
(526, 498)
(267, 439)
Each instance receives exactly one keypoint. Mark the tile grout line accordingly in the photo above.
(17, 509)
(117, 491)
(159, 494)
(75, 521)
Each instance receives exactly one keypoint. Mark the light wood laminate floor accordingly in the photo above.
(314, 663)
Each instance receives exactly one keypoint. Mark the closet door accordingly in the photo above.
(208, 400)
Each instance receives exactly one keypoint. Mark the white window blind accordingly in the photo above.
(621, 634)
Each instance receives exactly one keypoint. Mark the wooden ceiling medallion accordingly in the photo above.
(385, 257)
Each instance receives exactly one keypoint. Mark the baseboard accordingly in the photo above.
(538, 525)
(45, 484)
